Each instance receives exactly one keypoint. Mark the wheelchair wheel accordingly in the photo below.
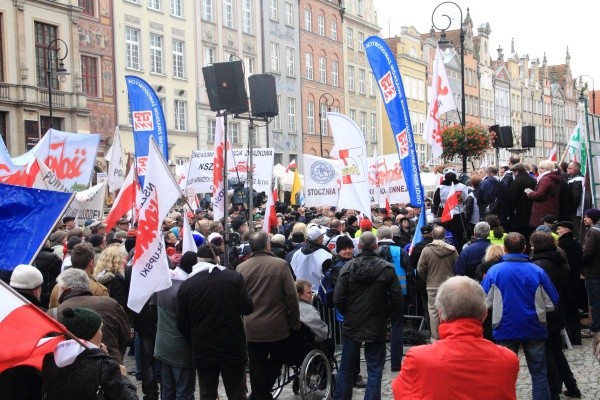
(280, 382)
(315, 376)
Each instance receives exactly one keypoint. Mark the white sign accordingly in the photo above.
(322, 180)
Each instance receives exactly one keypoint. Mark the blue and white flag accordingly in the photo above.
(385, 69)
(27, 216)
(148, 120)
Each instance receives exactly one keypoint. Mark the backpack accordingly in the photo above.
(327, 285)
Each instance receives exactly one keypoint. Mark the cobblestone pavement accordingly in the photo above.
(583, 364)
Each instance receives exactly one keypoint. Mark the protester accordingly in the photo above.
(313, 258)
(519, 205)
(471, 255)
(50, 266)
(591, 267)
(110, 271)
(545, 197)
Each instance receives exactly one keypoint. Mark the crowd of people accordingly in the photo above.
(516, 266)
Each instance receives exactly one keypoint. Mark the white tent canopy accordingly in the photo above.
(286, 179)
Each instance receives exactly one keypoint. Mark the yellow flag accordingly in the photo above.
(296, 187)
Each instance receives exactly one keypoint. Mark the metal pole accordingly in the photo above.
(49, 73)
(250, 178)
(226, 190)
(320, 128)
(462, 77)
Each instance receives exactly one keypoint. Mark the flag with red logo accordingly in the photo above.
(291, 165)
(452, 202)
(124, 202)
(218, 190)
(552, 156)
(441, 101)
(188, 239)
(150, 271)
(354, 192)
(270, 220)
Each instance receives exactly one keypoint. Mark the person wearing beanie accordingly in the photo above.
(296, 242)
(28, 280)
(591, 268)
(69, 222)
(75, 372)
(352, 225)
(58, 240)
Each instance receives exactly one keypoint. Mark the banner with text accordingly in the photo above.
(88, 204)
(322, 180)
(389, 177)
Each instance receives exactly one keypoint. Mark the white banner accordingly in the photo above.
(322, 178)
(200, 175)
(114, 156)
(390, 178)
(89, 203)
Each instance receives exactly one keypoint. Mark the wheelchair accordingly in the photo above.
(313, 378)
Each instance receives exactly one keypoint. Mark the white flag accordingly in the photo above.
(218, 191)
(47, 179)
(150, 266)
(114, 156)
(441, 101)
(188, 239)
(352, 151)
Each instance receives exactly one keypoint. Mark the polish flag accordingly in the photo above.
(292, 165)
(451, 203)
(23, 327)
(270, 220)
(222, 152)
(124, 202)
(553, 156)
(188, 239)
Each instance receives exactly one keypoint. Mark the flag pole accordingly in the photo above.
(564, 155)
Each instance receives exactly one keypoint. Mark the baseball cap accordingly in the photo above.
(315, 231)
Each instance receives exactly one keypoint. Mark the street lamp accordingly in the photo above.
(61, 72)
(581, 88)
(329, 100)
(444, 43)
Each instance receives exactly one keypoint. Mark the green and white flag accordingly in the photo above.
(577, 146)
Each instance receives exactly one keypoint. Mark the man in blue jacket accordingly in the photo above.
(520, 293)
(472, 255)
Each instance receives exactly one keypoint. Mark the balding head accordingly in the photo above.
(439, 233)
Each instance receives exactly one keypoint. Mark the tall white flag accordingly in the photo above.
(114, 156)
(188, 239)
(352, 151)
(440, 102)
(150, 266)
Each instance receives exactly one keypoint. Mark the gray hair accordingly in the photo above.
(384, 232)
(439, 233)
(258, 241)
(482, 230)
(367, 242)
(74, 278)
(278, 238)
(460, 297)
(395, 230)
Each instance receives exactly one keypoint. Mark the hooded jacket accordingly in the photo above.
(591, 253)
(558, 271)
(367, 292)
(545, 198)
(307, 263)
(436, 263)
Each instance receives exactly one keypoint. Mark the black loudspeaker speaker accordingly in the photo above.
(263, 95)
(496, 130)
(225, 87)
(506, 137)
(528, 136)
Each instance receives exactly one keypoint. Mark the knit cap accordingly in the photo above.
(84, 323)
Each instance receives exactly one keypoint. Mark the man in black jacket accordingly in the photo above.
(367, 293)
(575, 184)
(519, 205)
(49, 265)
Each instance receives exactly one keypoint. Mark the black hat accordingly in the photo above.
(426, 229)
(343, 242)
(67, 219)
(566, 224)
(593, 214)
(298, 237)
(96, 239)
(205, 251)
(84, 323)
(188, 260)
(351, 220)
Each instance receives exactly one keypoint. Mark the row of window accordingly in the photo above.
(208, 10)
(362, 123)
(288, 11)
(157, 53)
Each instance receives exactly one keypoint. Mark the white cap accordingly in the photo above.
(315, 231)
(26, 277)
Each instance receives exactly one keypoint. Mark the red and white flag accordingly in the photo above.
(270, 220)
(150, 265)
(125, 200)
(451, 206)
(291, 165)
(218, 192)
(22, 330)
(441, 101)
(114, 156)
(188, 239)
(553, 157)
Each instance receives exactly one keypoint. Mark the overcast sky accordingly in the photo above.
(537, 26)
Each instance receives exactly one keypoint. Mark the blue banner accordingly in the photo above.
(27, 216)
(147, 119)
(385, 69)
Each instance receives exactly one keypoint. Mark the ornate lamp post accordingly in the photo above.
(329, 100)
(61, 72)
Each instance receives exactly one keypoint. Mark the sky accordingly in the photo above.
(536, 27)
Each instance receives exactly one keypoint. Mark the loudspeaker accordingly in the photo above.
(506, 137)
(528, 136)
(225, 87)
(263, 95)
(496, 130)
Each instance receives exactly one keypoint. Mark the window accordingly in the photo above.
(180, 115)
(228, 13)
(321, 25)
(361, 81)
(289, 60)
(308, 20)
(233, 131)
(334, 30)
(212, 128)
(154, 5)
(88, 7)
(363, 122)
(182, 160)
(44, 35)
(89, 76)
(335, 67)
(292, 114)
(207, 10)
(309, 66)
(277, 119)
(274, 57)
(247, 16)
(310, 117)
(178, 59)
(350, 37)
(273, 11)
(249, 65)
(360, 7)
(209, 55)
(361, 39)
(322, 70)
(132, 48)
(156, 54)
(177, 8)
(323, 118)
(373, 128)
(371, 85)
(353, 115)
(289, 14)
(351, 78)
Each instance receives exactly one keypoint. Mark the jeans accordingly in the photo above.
(535, 355)
(266, 360)
(234, 381)
(145, 325)
(375, 357)
(592, 287)
(397, 341)
(177, 383)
